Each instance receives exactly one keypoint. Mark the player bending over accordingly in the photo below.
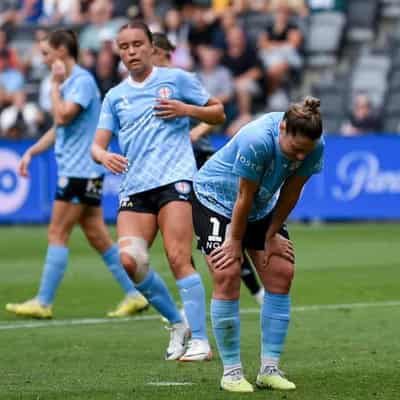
(76, 107)
(149, 113)
(243, 196)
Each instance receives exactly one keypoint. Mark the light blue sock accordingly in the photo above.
(53, 272)
(226, 327)
(156, 292)
(194, 302)
(275, 316)
(111, 259)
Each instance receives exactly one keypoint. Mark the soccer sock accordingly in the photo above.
(53, 272)
(193, 296)
(156, 292)
(249, 277)
(226, 327)
(111, 259)
(275, 316)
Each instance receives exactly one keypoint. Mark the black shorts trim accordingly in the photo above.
(211, 228)
(86, 191)
(151, 201)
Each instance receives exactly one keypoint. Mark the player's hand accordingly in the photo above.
(226, 255)
(58, 71)
(116, 163)
(24, 164)
(167, 109)
(279, 246)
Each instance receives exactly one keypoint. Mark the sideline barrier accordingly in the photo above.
(360, 180)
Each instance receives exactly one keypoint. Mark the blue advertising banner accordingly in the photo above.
(360, 180)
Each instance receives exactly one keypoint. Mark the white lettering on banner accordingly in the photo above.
(360, 172)
(13, 188)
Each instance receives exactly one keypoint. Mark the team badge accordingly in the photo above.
(183, 187)
(62, 182)
(164, 92)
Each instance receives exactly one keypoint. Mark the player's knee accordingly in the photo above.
(280, 275)
(57, 235)
(227, 282)
(134, 257)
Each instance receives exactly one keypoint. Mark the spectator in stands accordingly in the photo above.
(63, 12)
(101, 27)
(12, 55)
(106, 71)
(279, 51)
(362, 119)
(216, 78)
(326, 5)
(11, 79)
(297, 7)
(242, 61)
(177, 31)
(21, 118)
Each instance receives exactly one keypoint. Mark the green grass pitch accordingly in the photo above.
(349, 352)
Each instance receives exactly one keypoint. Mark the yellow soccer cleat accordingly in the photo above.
(236, 382)
(129, 306)
(31, 308)
(273, 378)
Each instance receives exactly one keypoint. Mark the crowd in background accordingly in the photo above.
(249, 70)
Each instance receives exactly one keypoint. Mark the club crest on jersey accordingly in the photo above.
(164, 92)
(62, 182)
(183, 187)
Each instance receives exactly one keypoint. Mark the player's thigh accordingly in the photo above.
(277, 276)
(95, 229)
(175, 222)
(137, 224)
(64, 217)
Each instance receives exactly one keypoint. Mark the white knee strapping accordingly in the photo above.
(136, 247)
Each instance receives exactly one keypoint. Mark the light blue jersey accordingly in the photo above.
(73, 140)
(159, 151)
(254, 154)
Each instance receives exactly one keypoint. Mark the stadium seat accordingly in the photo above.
(324, 37)
(362, 19)
(390, 8)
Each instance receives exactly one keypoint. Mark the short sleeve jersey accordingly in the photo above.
(254, 154)
(73, 140)
(159, 150)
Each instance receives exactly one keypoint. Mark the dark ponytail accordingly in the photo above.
(304, 118)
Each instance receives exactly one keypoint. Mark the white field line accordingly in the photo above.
(97, 321)
(169, 383)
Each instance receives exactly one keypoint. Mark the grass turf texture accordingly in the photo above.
(342, 354)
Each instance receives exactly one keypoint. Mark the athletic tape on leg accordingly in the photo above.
(138, 250)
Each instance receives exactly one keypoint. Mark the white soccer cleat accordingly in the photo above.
(197, 350)
(176, 347)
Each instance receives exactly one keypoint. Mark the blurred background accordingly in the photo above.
(256, 56)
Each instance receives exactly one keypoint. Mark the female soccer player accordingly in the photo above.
(149, 113)
(76, 107)
(243, 195)
(202, 152)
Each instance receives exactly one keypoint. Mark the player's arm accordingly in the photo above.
(46, 141)
(288, 198)
(199, 131)
(114, 162)
(211, 113)
(63, 111)
(231, 250)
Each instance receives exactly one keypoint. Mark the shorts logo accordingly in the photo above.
(126, 202)
(14, 190)
(62, 182)
(183, 187)
(164, 92)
